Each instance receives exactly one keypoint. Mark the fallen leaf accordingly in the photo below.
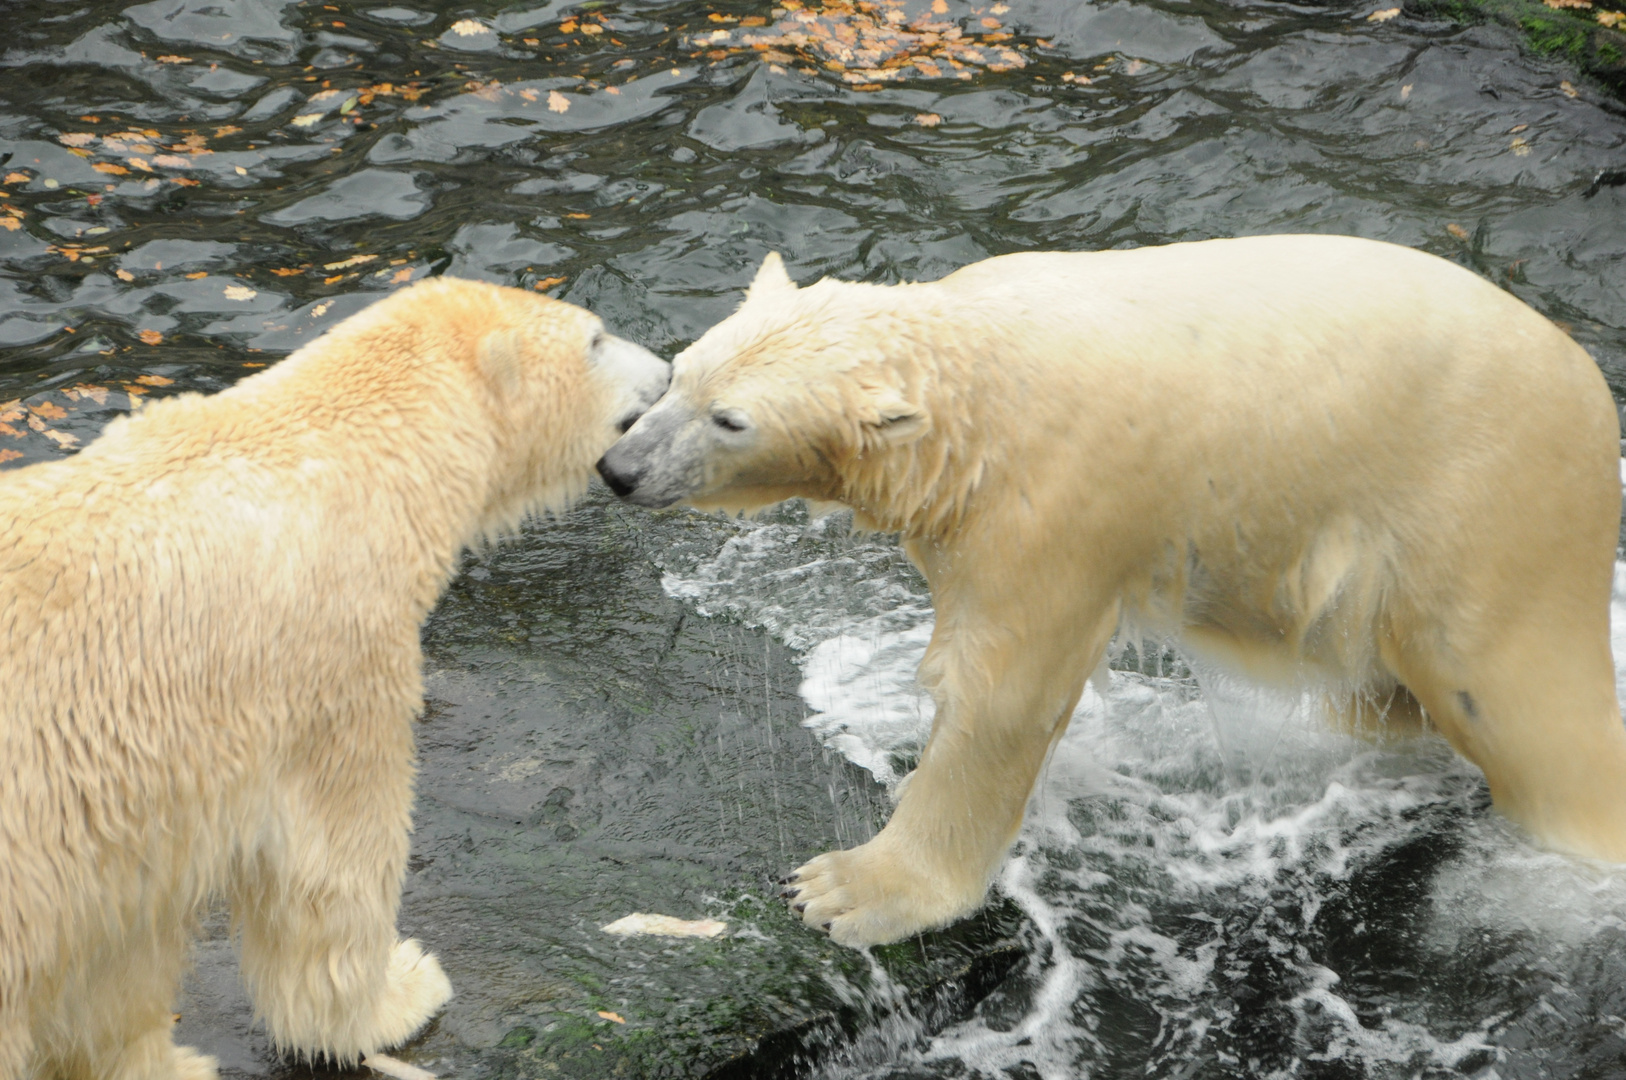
(150, 337)
(990, 23)
(124, 275)
(199, 274)
(1561, 4)
(155, 380)
(184, 181)
(939, 7)
(171, 161)
(10, 224)
(321, 309)
(174, 60)
(9, 455)
(287, 271)
(1516, 128)
(1520, 147)
(61, 438)
(1405, 92)
(98, 394)
(1457, 231)
(16, 178)
(548, 283)
(395, 1068)
(469, 27)
(1611, 18)
(354, 260)
(106, 167)
(592, 29)
(928, 119)
(47, 410)
(240, 292)
(614, 1018)
(557, 102)
(226, 129)
(76, 138)
(141, 164)
(1134, 67)
(1569, 90)
(578, 217)
(664, 926)
(307, 120)
(403, 274)
(568, 26)
(1383, 15)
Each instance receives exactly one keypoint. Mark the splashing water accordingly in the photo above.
(1215, 882)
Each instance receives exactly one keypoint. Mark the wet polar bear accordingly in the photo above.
(210, 654)
(1328, 462)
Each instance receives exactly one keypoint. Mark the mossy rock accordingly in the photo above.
(1573, 35)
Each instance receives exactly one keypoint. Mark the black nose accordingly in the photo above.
(620, 483)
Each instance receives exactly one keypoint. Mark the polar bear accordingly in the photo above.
(1324, 461)
(209, 643)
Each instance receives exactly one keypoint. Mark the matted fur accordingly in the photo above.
(1330, 463)
(209, 642)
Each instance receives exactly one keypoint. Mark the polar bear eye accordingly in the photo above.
(730, 421)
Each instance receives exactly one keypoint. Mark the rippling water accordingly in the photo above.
(1209, 885)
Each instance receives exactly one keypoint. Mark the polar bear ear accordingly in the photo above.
(892, 416)
(771, 278)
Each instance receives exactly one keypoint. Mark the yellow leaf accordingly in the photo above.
(469, 27)
(578, 217)
(354, 260)
(1383, 15)
(48, 410)
(61, 438)
(403, 274)
(1569, 90)
(10, 224)
(1457, 231)
(124, 275)
(928, 119)
(16, 178)
(110, 169)
(199, 274)
(240, 292)
(286, 271)
(155, 380)
(171, 161)
(150, 337)
(613, 1018)
(557, 102)
(174, 60)
(592, 29)
(76, 138)
(1611, 18)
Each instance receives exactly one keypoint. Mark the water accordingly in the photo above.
(189, 189)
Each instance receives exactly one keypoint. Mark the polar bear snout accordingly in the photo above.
(639, 376)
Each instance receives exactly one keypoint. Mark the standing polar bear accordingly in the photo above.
(209, 645)
(1324, 461)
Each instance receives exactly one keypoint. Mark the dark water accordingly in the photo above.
(189, 189)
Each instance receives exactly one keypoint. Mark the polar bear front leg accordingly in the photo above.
(1003, 700)
(317, 911)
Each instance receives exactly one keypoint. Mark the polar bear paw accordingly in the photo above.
(416, 989)
(875, 894)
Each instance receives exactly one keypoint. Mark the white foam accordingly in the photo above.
(1199, 791)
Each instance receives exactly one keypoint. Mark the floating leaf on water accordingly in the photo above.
(548, 283)
(149, 337)
(403, 274)
(240, 292)
(321, 309)
(16, 178)
(470, 27)
(568, 26)
(396, 1068)
(9, 455)
(1569, 90)
(124, 275)
(10, 224)
(61, 438)
(614, 1018)
(196, 276)
(557, 102)
(47, 410)
(354, 260)
(1383, 15)
(102, 167)
(76, 138)
(664, 926)
(928, 119)
(1457, 231)
(155, 380)
(305, 121)
(1520, 147)
(98, 394)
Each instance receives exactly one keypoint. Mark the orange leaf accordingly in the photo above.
(1457, 231)
(155, 380)
(48, 410)
(613, 1018)
(150, 337)
(199, 274)
(548, 283)
(110, 169)
(9, 455)
(403, 274)
(16, 178)
(286, 271)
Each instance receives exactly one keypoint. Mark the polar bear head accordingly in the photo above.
(798, 394)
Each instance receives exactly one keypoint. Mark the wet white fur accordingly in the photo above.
(209, 643)
(1323, 461)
